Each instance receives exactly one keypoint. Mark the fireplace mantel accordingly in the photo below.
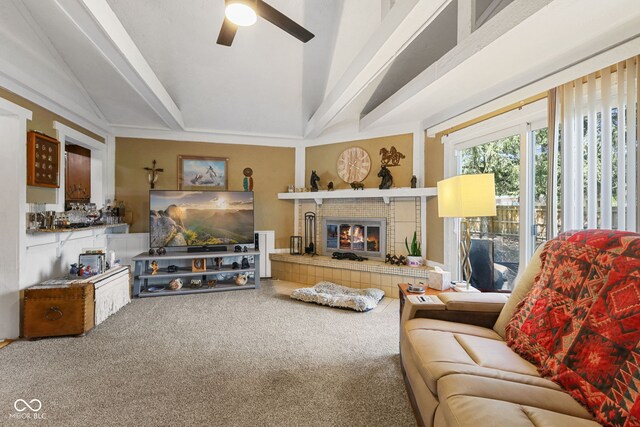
(386, 195)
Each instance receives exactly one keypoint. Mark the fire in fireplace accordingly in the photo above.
(363, 236)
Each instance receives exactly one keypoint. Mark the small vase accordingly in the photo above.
(415, 261)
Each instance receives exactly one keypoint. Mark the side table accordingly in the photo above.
(403, 292)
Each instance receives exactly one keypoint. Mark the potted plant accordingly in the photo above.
(415, 254)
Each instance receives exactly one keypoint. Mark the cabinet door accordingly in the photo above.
(78, 173)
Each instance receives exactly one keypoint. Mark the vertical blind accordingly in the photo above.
(597, 156)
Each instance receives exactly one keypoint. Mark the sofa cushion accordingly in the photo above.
(480, 401)
(522, 286)
(439, 348)
(580, 323)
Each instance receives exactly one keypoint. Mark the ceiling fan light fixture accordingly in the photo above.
(241, 12)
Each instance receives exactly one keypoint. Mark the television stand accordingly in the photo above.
(147, 284)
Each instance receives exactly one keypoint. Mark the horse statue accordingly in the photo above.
(314, 181)
(387, 179)
(391, 157)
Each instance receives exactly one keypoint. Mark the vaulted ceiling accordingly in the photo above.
(121, 66)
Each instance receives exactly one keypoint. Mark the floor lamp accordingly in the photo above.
(466, 196)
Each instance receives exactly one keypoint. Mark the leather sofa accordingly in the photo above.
(460, 371)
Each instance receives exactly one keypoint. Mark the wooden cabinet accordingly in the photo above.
(77, 174)
(43, 160)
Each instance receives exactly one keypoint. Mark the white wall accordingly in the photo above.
(126, 246)
(49, 255)
(27, 259)
(12, 223)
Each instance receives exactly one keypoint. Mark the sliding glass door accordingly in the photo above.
(518, 157)
(496, 240)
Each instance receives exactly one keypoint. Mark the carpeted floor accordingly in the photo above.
(242, 358)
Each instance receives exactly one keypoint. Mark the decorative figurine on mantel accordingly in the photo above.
(414, 181)
(153, 174)
(313, 181)
(247, 183)
(391, 157)
(357, 185)
(387, 179)
(330, 186)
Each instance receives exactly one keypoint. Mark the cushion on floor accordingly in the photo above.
(333, 295)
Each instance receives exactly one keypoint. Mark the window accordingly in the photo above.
(598, 154)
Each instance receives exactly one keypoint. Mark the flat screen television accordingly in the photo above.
(191, 219)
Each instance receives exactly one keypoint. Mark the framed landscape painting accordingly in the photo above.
(202, 173)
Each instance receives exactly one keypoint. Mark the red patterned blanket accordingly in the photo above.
(580, 323)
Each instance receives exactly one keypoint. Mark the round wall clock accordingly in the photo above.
(354, 164)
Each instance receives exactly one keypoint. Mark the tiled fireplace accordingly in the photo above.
(366, 237)
(369, 226)
(398, 219)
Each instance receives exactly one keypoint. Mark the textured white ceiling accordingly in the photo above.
(154, 65)
(254, 86)
(26, 57)
(117, 101)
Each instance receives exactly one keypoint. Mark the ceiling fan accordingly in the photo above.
(245, 12)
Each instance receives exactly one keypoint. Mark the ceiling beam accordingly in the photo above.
(401, 25)
(97, 21)
(510, 52)
(455, 59)
(466, 19)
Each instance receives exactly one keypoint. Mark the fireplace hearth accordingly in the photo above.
(365, 237)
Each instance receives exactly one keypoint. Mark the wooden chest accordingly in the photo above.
(58, 310)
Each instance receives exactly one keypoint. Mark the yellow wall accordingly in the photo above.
(323, 160)
(434, 172)
(273, 170)
(43, 122)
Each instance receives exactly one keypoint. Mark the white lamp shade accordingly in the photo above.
(241, 12)
(466, 196)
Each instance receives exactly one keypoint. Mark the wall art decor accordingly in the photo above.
(152, 174)
(43, 160)
(202, 173)
(390, 157)
(247, 182)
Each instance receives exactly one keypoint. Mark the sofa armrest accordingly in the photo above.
(471, 308)
(487, 302)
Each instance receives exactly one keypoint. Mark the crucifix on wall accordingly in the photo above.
(153, 173)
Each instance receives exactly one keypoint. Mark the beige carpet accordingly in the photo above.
(242, 358)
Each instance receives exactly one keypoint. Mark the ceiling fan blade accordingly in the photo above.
(282, 21)
(227, 33)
